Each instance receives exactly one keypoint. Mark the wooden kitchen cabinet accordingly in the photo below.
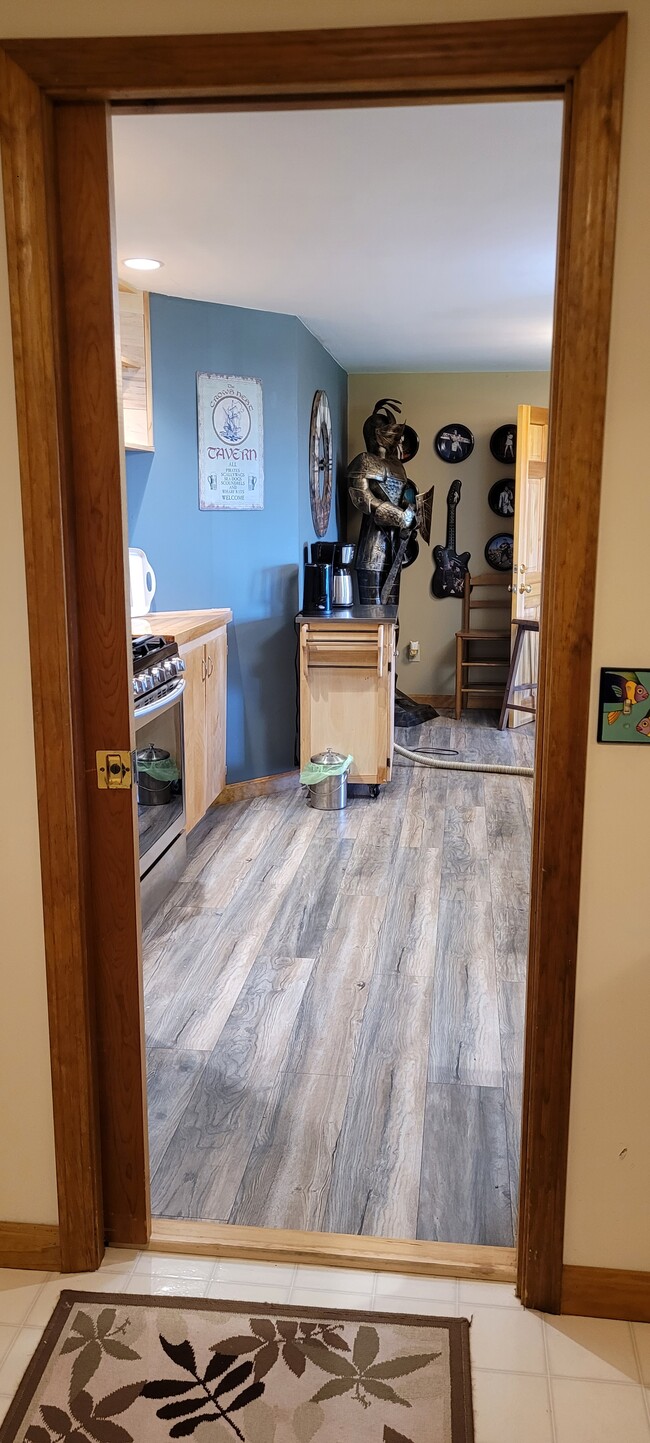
(135, 349)
(347, 692)
(202, 641)
(194, 727)
(216, 662)
(205, 722)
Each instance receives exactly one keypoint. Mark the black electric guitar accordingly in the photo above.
(449, 576)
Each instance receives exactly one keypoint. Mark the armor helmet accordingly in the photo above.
(382, 432)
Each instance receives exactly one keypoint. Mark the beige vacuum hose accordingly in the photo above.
(463, 766)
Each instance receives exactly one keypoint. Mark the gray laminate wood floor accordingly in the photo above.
(335, 1006)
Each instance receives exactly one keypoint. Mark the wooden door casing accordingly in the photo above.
(84, 184)
(578, 57)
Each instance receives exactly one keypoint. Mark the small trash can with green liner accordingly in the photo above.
(326, 776)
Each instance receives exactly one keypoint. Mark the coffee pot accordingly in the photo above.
(342, 587)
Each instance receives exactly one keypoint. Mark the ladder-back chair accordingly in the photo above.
(487, 592)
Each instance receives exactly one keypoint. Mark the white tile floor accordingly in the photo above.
(536, 1379)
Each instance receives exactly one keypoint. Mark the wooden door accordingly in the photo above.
(216, 654)
(194, 728)
(527, 556)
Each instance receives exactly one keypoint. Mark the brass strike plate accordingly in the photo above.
(114, 771)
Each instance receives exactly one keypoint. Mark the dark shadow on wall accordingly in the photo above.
(139, 465)
(262, 680)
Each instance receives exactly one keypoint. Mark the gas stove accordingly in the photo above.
(156, 665)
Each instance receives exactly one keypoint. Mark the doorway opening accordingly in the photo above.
(57, 182)
(334, 1000)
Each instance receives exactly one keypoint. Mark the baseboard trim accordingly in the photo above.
(257, 787)
(446, 702)
(606, 1293)
(30, 1245)
(441, 699)
(336, 1250)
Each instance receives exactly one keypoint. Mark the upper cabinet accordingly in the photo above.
(135, 346)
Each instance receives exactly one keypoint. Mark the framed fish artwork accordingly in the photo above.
(624, 705)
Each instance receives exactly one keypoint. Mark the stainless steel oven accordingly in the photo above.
(158, 685)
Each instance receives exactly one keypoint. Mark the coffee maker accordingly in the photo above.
(342, 587)
(317, 590)
(335, 558)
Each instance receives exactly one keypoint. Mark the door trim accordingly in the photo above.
(606, 1293)
(30, 1245)
(578, 57)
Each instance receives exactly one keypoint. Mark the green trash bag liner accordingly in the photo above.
(164, 770)
(319, 771)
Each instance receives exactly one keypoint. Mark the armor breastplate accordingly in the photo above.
(378, 475)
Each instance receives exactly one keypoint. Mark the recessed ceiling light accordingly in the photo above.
(141, 263)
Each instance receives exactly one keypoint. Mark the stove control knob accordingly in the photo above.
(147, 681)
(179, 664)
(137, 688)
(157, 675)
(168, 668)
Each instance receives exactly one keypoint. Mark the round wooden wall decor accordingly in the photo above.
(321, 462)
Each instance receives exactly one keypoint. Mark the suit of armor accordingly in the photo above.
(381, 490)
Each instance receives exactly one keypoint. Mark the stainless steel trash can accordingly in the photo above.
(330, 795)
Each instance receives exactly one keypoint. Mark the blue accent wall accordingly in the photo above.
(250, 561)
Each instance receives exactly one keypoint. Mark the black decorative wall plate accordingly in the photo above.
(503, 444)
(501, 497)
(410, 443)
(498, 552)
(454, 443)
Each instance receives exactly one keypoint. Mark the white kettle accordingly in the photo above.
(142, 582)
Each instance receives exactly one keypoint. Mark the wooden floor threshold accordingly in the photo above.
(333, 1250)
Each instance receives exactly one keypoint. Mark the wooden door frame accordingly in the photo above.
(54, 113)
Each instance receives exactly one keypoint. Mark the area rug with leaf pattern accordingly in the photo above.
(123, 1369)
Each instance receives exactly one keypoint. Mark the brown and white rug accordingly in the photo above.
(123, 1369)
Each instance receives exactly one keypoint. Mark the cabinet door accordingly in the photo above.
(135, 345)
(216, 661)
(194, 720)
(346, 699)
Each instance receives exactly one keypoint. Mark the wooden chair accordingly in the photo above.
(495, 597)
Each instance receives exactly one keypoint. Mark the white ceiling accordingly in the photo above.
(406, 239)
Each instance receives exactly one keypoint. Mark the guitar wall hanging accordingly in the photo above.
(449, 576)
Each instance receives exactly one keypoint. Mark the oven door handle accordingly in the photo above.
(161, 704)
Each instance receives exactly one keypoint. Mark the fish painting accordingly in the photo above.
(623, 689)
(624, 705)
(643, 726)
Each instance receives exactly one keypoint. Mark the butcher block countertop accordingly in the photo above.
(351, 615)
(180, 626)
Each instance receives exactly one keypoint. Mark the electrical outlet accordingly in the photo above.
(413, 651)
